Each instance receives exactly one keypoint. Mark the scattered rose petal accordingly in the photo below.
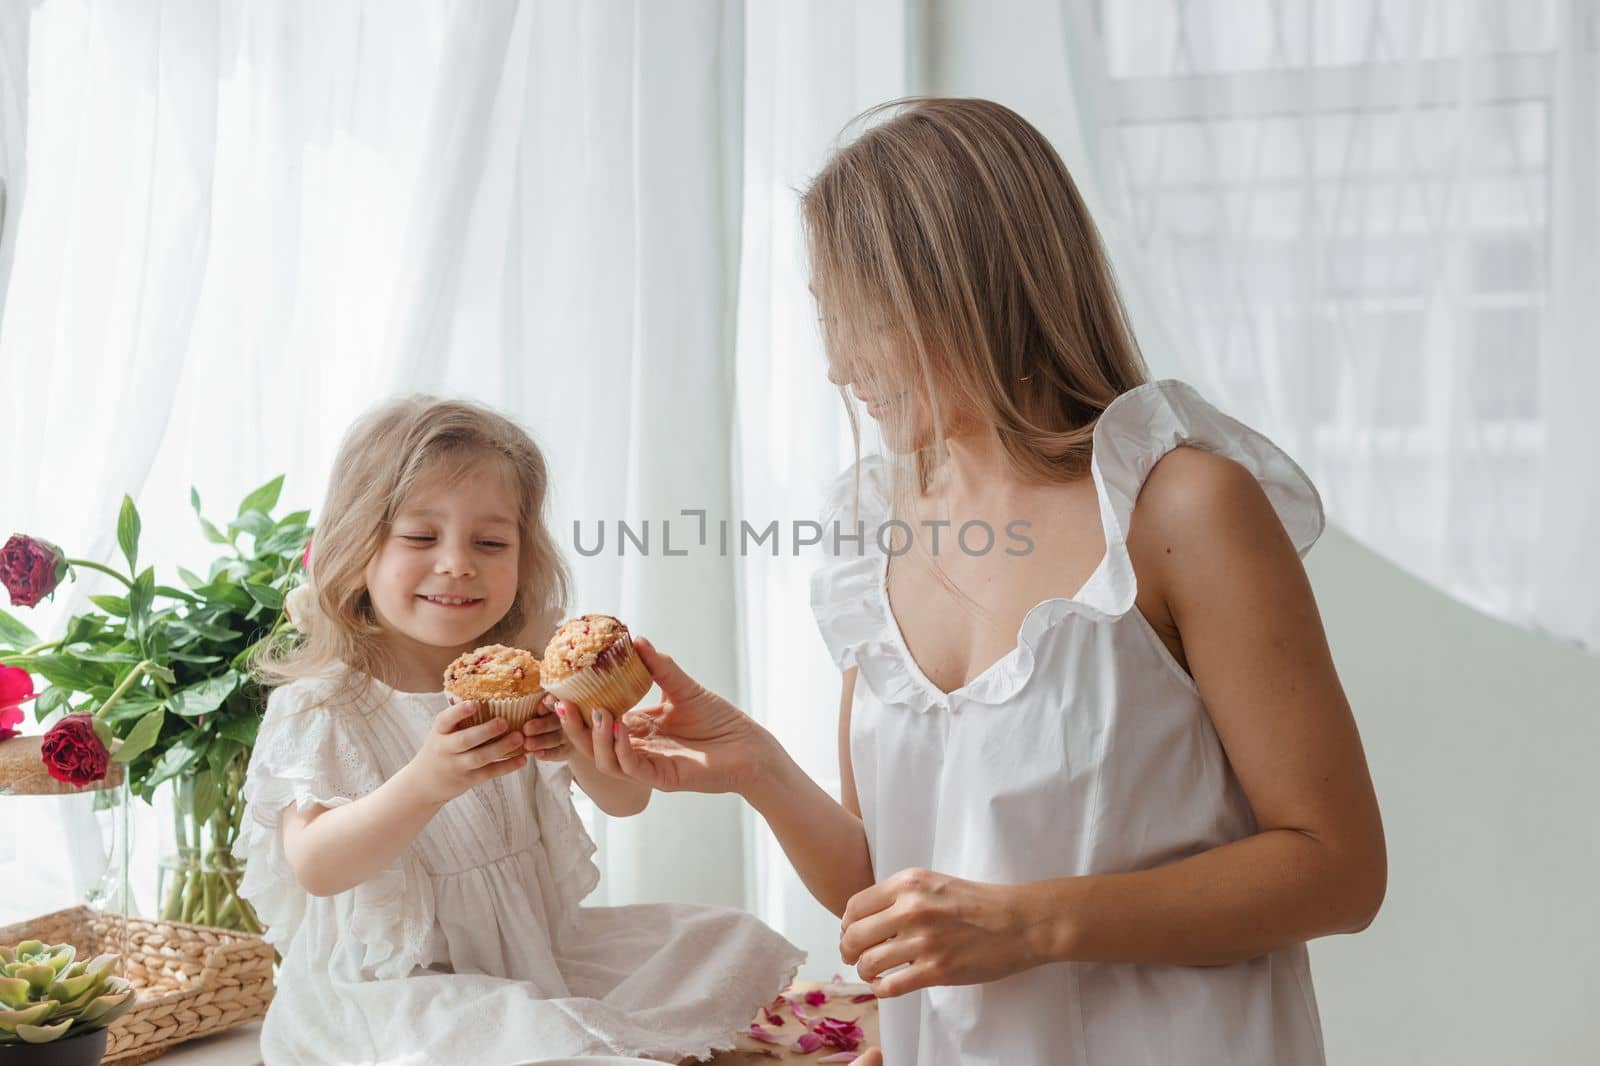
(799, 1011)
(838, 1032)
(760, 1033)
(807, 1043)
(865, 997)
(773, 1019)
(816, 997)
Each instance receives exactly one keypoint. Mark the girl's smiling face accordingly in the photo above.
(446, 571)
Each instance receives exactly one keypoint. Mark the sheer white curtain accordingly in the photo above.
(809, 69)
(246, 223)
(13, 126)
(1372, 228)
(574, 257)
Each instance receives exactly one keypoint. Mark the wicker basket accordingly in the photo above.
(192, 980)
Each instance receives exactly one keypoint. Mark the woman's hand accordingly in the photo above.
(940, 930)
(693, 741)
(453, 758)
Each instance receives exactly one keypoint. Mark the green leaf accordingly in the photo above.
(128, 527)
(131, 707)
(141, 736)
(194, 499)
(226, 595)
(96, 655)
(263, 499)
(242, 730)
(140, 599)
(174, 761)
(255, 523)
(206, 795)
(82, 627)
(64, 671)
(112, 605)
(265, 595)
(213, 534)
(204, 697)
(197, 660)
(175, 594)
(14, 634)
(208, 630)
(193, 580)
(161, 673)
(288, 542)
(51, 700)
(234, 570)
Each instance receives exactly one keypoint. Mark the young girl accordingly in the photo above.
(420, 878)
(1100, 782)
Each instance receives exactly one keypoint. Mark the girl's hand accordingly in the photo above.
(941, 930)
(453, 758)
(693, 741)
(545, 739)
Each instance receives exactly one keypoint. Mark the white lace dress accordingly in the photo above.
(472, 946)
(1087, 749)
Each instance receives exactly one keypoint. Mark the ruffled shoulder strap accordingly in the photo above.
(1135, 432)
(844, 589)
(312, 752)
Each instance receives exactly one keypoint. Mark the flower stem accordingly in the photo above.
(87, 565)
(127, 682)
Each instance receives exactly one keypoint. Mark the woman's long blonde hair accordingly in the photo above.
(954, 261)
(386, 455)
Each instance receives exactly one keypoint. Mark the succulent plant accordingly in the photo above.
(45, 994)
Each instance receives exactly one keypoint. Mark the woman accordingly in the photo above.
(1100, 781)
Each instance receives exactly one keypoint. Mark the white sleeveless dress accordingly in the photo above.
(472, 946)
(1085, 750)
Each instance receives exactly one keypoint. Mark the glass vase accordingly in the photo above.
(199, 876)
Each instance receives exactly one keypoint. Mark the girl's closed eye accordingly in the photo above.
(423, 538)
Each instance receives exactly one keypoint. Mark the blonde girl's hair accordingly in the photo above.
(954, 262)
(386, 455)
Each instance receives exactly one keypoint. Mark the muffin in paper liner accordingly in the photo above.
(503, 680)
(591, 662)
(515, 711)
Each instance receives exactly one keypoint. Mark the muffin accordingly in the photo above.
(591, 662)
(505, 681)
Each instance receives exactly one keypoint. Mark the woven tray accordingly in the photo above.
(192, 980)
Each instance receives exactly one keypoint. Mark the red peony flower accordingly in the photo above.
(30, 569)
(73, 753)
(15, 686)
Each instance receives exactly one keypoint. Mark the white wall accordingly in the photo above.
(1482, 739)
(1482, 743)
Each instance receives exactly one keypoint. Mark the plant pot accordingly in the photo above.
(85, 1050)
